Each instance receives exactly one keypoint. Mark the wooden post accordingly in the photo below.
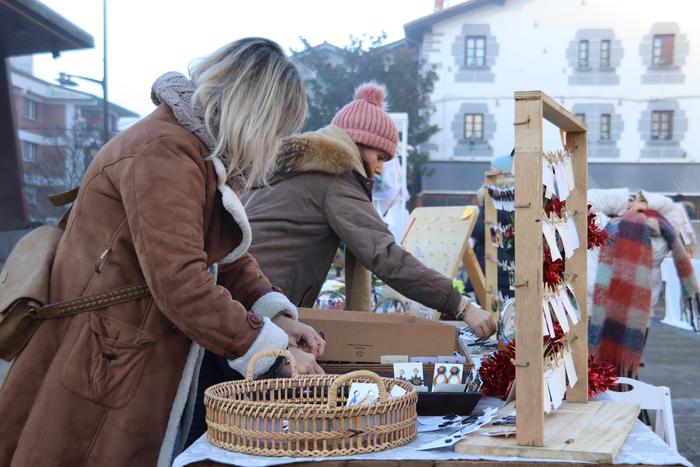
(475, 274)
(576, 267)
(358, 284)
(529, 364)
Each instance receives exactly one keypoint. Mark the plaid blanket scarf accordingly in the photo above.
(622, 294)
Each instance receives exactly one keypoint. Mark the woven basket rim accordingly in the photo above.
(316, 409)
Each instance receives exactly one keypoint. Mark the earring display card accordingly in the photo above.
(447, 373)
(411, 372)
(363, 394)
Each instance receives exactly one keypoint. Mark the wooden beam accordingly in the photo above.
(552, 111)
(475, 274)
(529, 318)
(576, 266)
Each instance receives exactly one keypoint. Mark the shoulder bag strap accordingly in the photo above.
(92, 302)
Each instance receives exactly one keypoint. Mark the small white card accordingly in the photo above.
(548, 406)
(569, 170)
(397, 391)
(560, 314)
(570, 368)
(568, 306)
(563, 229)
(548, 178)
(562, 186)
(550, 237)
(363, 394)
(573, 233)
(548, 318)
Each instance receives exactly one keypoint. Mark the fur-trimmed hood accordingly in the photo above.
(328, 150)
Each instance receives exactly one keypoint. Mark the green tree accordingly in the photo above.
(332, 76)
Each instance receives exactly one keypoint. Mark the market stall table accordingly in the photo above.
(643, 447)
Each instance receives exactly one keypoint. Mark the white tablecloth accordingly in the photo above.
(643, 446)
(673, 292)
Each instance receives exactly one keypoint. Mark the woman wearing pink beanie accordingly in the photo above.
(320, 195)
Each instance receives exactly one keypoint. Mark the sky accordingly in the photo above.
(149, 37)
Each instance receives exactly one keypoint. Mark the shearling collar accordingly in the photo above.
(328, 150)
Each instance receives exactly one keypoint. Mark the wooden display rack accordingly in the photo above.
(492, 177)
(441, 234)
(596, 430)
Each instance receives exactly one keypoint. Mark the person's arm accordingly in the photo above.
(163, 193)
(245, 280)
(354, 219)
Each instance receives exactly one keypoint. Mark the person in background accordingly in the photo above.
(159, 204)
(320, 195)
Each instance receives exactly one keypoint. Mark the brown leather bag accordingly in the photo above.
(24, 287)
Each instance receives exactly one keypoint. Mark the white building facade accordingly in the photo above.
(627, 67)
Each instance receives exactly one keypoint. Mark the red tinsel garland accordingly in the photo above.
(497, 371)
(596, 236)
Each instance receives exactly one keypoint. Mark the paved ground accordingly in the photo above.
(671, 358)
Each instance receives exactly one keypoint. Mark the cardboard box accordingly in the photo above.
(356, 336)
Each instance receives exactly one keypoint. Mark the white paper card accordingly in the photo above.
(548, 406)
(562, 186)
(560, 374)
(548, 178)
(569, 169)
(548, 318)
(548, 231)
(570, 368)
(560, 314)
(562, 228)
(563, 297)
(573, 233)
(396, 391)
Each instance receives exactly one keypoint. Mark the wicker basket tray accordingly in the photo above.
(306, 416)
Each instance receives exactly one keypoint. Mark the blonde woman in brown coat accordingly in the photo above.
(159, 204)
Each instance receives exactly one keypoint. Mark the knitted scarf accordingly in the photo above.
(622, 294)
(175, 90)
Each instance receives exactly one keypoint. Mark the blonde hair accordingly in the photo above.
(251, 96)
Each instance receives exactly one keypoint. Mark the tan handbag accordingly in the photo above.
(24, 288)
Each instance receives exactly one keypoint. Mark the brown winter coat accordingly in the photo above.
(318, 198)
(97, 389)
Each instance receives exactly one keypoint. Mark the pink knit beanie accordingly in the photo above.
(365, 120)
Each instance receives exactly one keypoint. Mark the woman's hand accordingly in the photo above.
(480, 321)
(306, 363)
(301, 335)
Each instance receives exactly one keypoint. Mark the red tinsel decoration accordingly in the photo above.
(552, 272)
(601, 376)
(497, 371)
(596, 236)
(554, 205)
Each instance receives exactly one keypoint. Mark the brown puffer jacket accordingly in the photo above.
(318, 198)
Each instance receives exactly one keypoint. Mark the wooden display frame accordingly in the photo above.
(531, 109)
(492, 177)
(538, 435)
